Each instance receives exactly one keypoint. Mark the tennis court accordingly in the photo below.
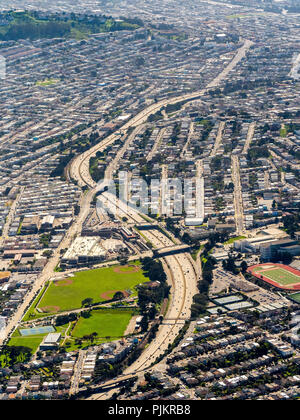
(37, 330)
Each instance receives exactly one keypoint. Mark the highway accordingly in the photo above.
(184, 277)
(80, 166)
(184, 287)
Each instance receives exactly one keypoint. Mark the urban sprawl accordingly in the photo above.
(183, 284)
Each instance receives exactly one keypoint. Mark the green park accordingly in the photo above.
(99, 284)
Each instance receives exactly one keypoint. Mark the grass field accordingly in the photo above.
(283, 131)
(32, 341)
(232, 240)
(47, 82)
(109, 324)
(31, 311)
(295, 297)
(106, 323)
(100, 285)
(280, 275)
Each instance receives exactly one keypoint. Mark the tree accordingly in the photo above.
(118, 296)
(229, 265)
(45, 239)
(152, 312)
(144, 323)
(65, 319)
(87, 302)
(244, 266)
(93, 336)
(139, 61)
(123, 260)
(48, 253)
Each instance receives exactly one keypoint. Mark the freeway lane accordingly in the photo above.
(184, 287)
(80, 166)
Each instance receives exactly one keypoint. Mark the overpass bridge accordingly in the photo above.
(171, 250)
(174, 321)
(146, 226)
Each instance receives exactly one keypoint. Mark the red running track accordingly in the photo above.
(295, 286)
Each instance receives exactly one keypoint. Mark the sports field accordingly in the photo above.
(99, 284)
(32, 342)
(36, 331)
(106, 323)
(33, 337)
(279, 275)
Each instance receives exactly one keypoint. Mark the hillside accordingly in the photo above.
(33, 25)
